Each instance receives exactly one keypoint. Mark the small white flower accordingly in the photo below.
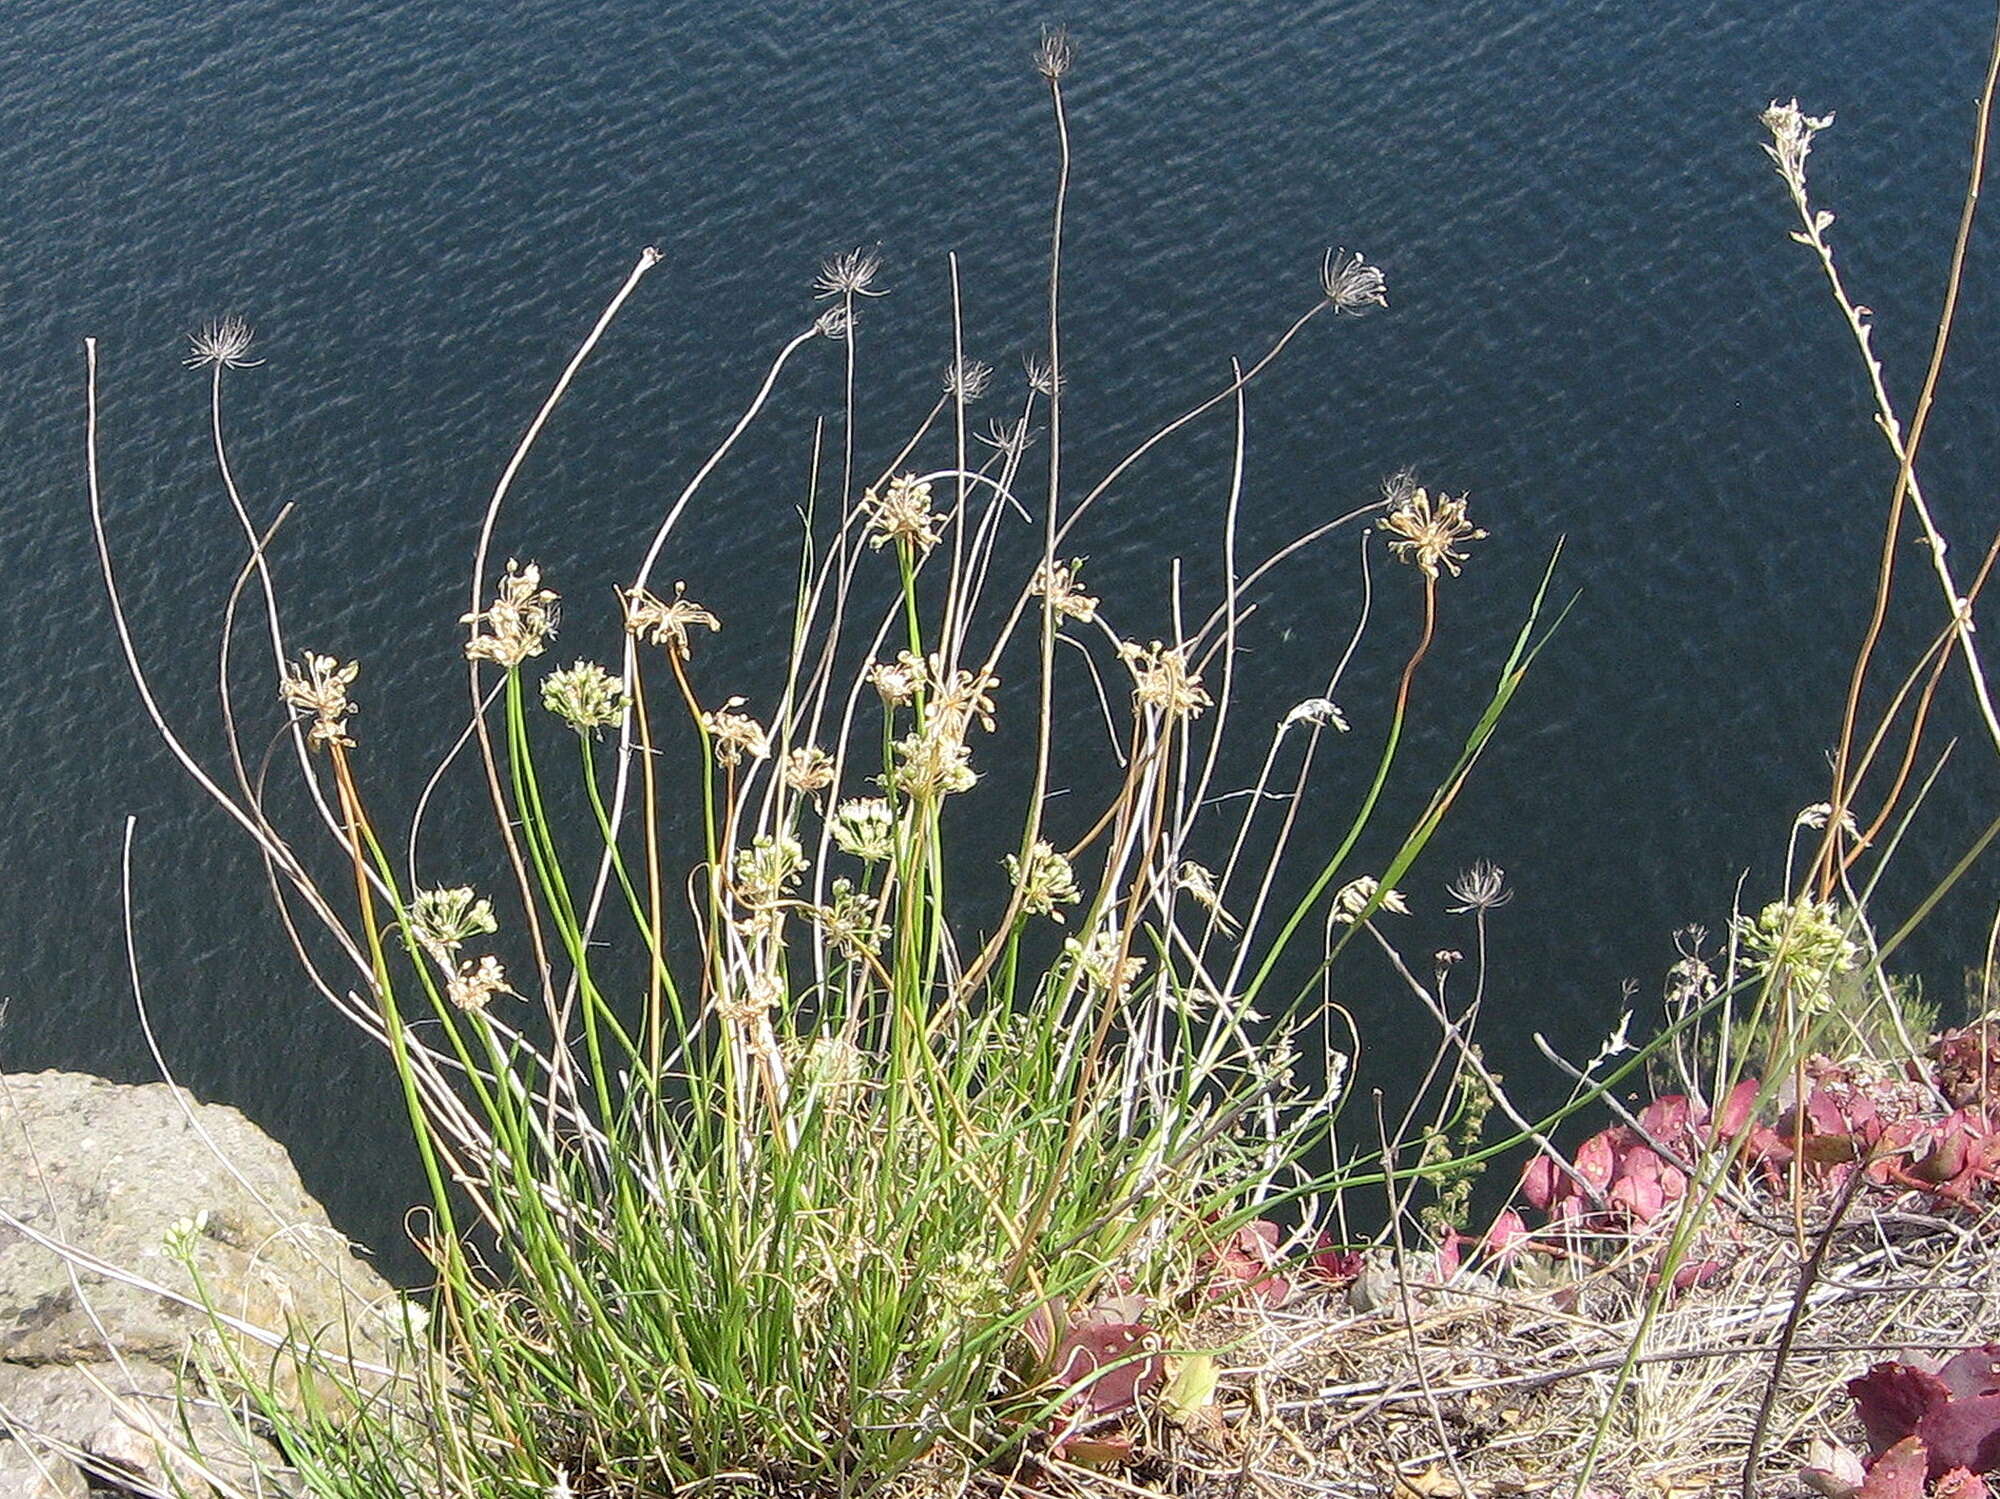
(585, 696)
(183, 1236)
(865, 828)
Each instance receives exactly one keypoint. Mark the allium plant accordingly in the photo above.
(854, 1177)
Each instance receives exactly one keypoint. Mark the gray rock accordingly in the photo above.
(39, 1474)
(132, 1426)
(109, 1169)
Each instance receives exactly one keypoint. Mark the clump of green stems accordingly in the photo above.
(781, 1211)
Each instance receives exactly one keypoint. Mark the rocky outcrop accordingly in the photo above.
(93, 1351)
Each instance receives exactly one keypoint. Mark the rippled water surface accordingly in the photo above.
(1599, 329)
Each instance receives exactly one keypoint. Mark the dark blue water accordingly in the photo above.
(1599, 329)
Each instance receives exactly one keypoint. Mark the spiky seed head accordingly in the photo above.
(1042, 377)
(850, 274)
(1055, 55)
(1483, 887)
(1161, 679)
(224, 343)
(1057, 582)
(808, 769)
(896, 682)
(967, 379)
(1351, 284)
(903, 516)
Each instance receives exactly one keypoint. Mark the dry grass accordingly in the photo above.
(1495, 1388)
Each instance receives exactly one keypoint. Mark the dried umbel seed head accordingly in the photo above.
(865, 828)
(585, 696)
(443, 920)
(1428, 533)
(1046, 881)
(735, 734)
(223, 344)
(1817, 814)
(1351, 284)
(967, 379)
(958, 699)
(809, 769)
(1483, 887)
(521, 622)
(1042, 378)
(1008, 439)
(903, 516)
(318, 687)
(1056, 53)
(1353, 898)
(1161, 679)
(851, 274)
(1057, 582)
(667, 624)
(896, 682)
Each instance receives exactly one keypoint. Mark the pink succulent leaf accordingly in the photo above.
(1638, 1189)
(1242, 1263)
(1100, 1356)
(1099, 1452)
(1898, 1473)
(1696, 1273)
(1332, 1263)
(1543, 1183)
(1824, 1113)
(1737, 1108)
(1671, 1119)
(1597, 1158)
(1963, 1434)
(1507, 1237)
(1959, 1484)
(1893, 1399)
(1976, 1371)
(1450, 1255)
